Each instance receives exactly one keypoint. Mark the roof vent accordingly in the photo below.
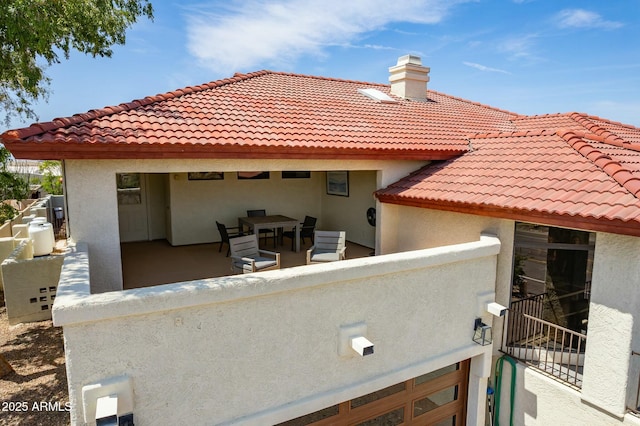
(377, 95)
(409, 78)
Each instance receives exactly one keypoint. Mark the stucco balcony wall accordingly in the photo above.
(263, 348)
(543, 400)
(29, 282)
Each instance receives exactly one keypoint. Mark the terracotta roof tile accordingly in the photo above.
(560, 177)
(266, 109)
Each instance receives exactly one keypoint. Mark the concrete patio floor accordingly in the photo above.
(151, 263)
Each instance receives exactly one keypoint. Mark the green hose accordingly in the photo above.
(498, 382)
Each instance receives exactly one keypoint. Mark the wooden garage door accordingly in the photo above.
(438, 398)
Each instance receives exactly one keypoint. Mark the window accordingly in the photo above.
(554, 265)
(128, 187)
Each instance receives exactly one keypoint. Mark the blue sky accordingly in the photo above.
(526, 56)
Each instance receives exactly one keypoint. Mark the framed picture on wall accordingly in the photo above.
(338, 183)
(296, 175)
(253, 175)
(205, 175)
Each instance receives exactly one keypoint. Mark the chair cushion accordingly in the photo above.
(261, 263)
(325, 256)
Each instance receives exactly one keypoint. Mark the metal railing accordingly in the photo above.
(533, 306)
(543, 345)
(634, 402)
(59, 228)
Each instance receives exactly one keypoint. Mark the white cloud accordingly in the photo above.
(255, 33)
(520, 47)
(485, 68)
(580, 18)
(377, 47)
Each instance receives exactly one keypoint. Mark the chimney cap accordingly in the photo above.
(409, 59)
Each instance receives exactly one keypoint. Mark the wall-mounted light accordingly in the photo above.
(482, 333)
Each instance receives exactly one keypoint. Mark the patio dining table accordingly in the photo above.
(256, 223)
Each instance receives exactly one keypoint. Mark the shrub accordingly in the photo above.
(51, 181)
(7, 212)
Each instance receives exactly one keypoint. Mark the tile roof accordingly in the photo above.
(568, 170)
(572, 170)
(264, 115)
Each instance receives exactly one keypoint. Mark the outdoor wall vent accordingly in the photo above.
(377, 95)
(352, 340)
(109, 402)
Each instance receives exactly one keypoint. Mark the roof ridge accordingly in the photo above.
(317, 77)
(514, 114)
(575, 114)
(517, 133)
(617, 123)
(603, 135)
(611, 167)
(550, 114)
(56, 123)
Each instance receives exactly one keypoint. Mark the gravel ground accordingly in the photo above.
(36, 393)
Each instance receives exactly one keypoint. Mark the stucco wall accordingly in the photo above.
(541, 400)
(93, 216)
(411, 228)
(30, 283)
(225, 200)
(262, 348)
(349, 213)
(612, 328)
(416, 228)
(93, 210)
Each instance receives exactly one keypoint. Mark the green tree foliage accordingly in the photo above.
(51, 179)
(34, 33)
(12, 187)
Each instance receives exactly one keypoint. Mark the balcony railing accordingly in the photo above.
(533, 306)
(634, 401)
(555, 350)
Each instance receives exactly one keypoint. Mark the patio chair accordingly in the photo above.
(328, 246)
(306, 229)
(225, 235)
(246, 257)
(264, 232)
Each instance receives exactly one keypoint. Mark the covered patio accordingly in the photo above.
(150, 263)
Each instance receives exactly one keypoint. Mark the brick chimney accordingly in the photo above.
(409, 78)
